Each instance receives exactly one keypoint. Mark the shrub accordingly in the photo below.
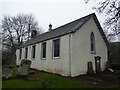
(8, 58)
(115, 66)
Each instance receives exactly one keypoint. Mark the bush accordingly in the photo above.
(8, 58)
(115, 66)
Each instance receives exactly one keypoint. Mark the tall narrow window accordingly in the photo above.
(33, 51)
(92, 39)
(20, 54)
(26, 52)
(43, 50)
(56, 48)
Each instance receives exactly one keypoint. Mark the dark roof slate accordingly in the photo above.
(62, 30)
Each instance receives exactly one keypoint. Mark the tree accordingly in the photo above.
(17, 29)
(112, 11)
(7, 58)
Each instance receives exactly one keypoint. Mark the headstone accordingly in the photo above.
(97, 64)
(46, 84)
(7, 73)
(90, 68)
(107, 66)
(24, 67)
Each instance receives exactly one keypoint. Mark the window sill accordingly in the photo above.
(56, 57)
(43, 58)
(33, 59)
(93, 52)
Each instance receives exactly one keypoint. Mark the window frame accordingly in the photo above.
(34, 52)
(92, 43)
(58, 57)
(26, 53)
(42, 50)
(20, 54)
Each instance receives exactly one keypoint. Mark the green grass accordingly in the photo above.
(60, 82)
(0, 77)
(17, 83)
(56, 81)
(111, 75)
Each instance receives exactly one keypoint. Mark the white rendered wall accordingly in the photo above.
(81, 53)
(50, 64)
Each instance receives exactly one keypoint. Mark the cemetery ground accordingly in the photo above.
(36, 78)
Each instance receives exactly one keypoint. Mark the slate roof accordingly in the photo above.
(64, 29)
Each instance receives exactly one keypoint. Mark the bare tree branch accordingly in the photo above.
(16, 29)
(112, 10)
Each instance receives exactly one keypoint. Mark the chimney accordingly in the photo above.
(50, 27)
(33, 33)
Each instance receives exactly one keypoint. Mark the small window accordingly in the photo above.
(26, 53)
(43, 50)
(56, 48)
(92, 40)
(33, 51)
(20, 54)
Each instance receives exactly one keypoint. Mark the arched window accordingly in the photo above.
(92, 40)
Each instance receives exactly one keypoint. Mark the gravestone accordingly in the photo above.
(24, 67)
(7, 73)
(97, 64)
(46, 85)
(107, 65)
(90, 68)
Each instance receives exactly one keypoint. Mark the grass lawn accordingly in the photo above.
(56, 81)
(0, 77)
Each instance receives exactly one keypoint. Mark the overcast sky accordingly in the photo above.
(56, 12)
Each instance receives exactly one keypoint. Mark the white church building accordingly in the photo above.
(66, 50)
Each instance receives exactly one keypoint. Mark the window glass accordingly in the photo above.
(92, 37)
(20, 54)
(33, 51)
(43, 50)
(56, 48)
(26, 53)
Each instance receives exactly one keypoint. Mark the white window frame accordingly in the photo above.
(53, 48)
(25, 53)
(42, 50)
(20, 54)
(94, 45)
(32, 52)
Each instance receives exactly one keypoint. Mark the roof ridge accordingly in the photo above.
(61, 30)
(75, 20)
(66, 24)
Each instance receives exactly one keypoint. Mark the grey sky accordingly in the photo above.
(56, 12)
